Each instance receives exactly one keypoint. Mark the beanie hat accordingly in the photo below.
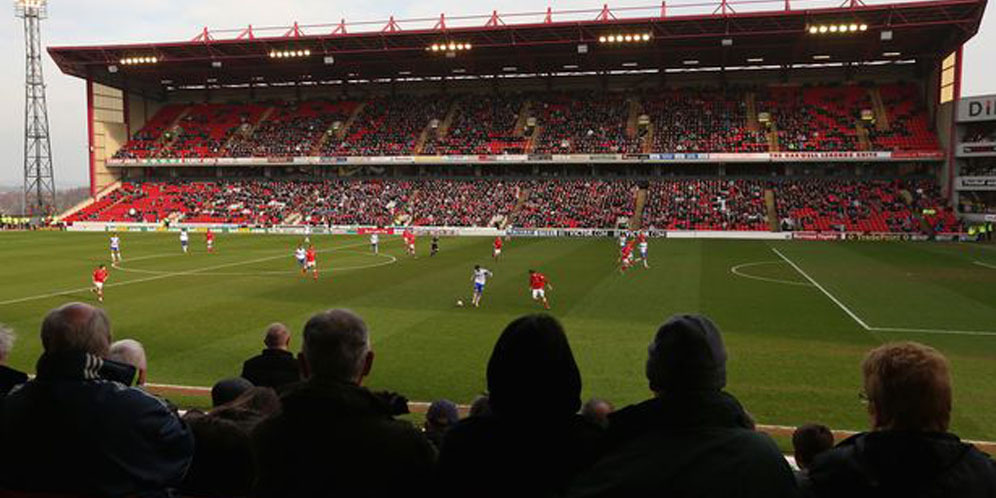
(687, 354)
(227, 390)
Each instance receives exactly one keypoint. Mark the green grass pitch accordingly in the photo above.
(794, 352)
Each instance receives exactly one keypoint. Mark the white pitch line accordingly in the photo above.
(736, 271)
(935, 331)
(987, 265)
(159, 277)
(869, 328)
(836, 301)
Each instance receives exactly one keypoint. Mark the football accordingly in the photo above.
(459, 303)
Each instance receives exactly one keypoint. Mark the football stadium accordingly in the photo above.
(733, 248)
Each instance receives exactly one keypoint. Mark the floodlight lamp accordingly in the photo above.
(629, 38)
(823, 29)
(452, 46)
(863, 27)
(646, 37)
(854, 27)
(602, 39)
(833, 28)
(466, 46)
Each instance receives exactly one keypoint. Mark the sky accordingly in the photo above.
(86, 22)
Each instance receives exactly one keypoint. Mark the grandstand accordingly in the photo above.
(760, 118)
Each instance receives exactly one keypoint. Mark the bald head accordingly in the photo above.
(277, 336)
(130, 352)
(76, 327)
(336, 347)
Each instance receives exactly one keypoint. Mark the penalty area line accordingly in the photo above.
(816, 284)
(864, 325)
(986, 265)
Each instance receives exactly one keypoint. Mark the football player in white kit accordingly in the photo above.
(480, 278)
(641, 240)
(375, 243)
(115, 249)
(299, 255)
(623, 238)
(184, 239)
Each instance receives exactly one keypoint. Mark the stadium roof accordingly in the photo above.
(728, 35)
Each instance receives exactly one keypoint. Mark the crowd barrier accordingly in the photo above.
(88, 226)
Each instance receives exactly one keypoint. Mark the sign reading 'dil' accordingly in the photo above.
(977, 108)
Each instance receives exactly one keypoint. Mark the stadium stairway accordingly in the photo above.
(878, 107)
(520, 122)
(451, 114)
(862, 133)
(769, 206)
(639, 202)
(648, 140)
(246, 131)
(633, 121)
(173, 129)
(773, 145)
(751, 101)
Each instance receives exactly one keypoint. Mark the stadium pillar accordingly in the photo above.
(89, 137)
(951, 162)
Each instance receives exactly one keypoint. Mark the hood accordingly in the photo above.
(73, 365)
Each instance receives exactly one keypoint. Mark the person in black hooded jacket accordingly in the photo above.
(909, 452)
(692, 438)
(533, 442)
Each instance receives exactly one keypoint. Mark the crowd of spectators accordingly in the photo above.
(390, 126)
(821, 204)
(691, 120)
(814, 118)
(706, 205)
(484, 124)
(322, 433)
(900, 206)
(294, 129)
(576, 203)
(583, 123)
(806, 118)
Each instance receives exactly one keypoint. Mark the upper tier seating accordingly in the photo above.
(568, 122)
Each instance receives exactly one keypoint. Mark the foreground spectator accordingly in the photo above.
(808, 441)
(8, 376)
(131, 352)
(597, 411)
(276, 366)
(692, 438)
(441, 415)
(909, 452)
(480, 406)
(534, 442)
(334, 437)
(223, 464)
(78, 427)
(228, 390)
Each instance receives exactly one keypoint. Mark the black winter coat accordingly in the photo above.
(690, 445)
(337, 439)
(889, 464)
(274, 368)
